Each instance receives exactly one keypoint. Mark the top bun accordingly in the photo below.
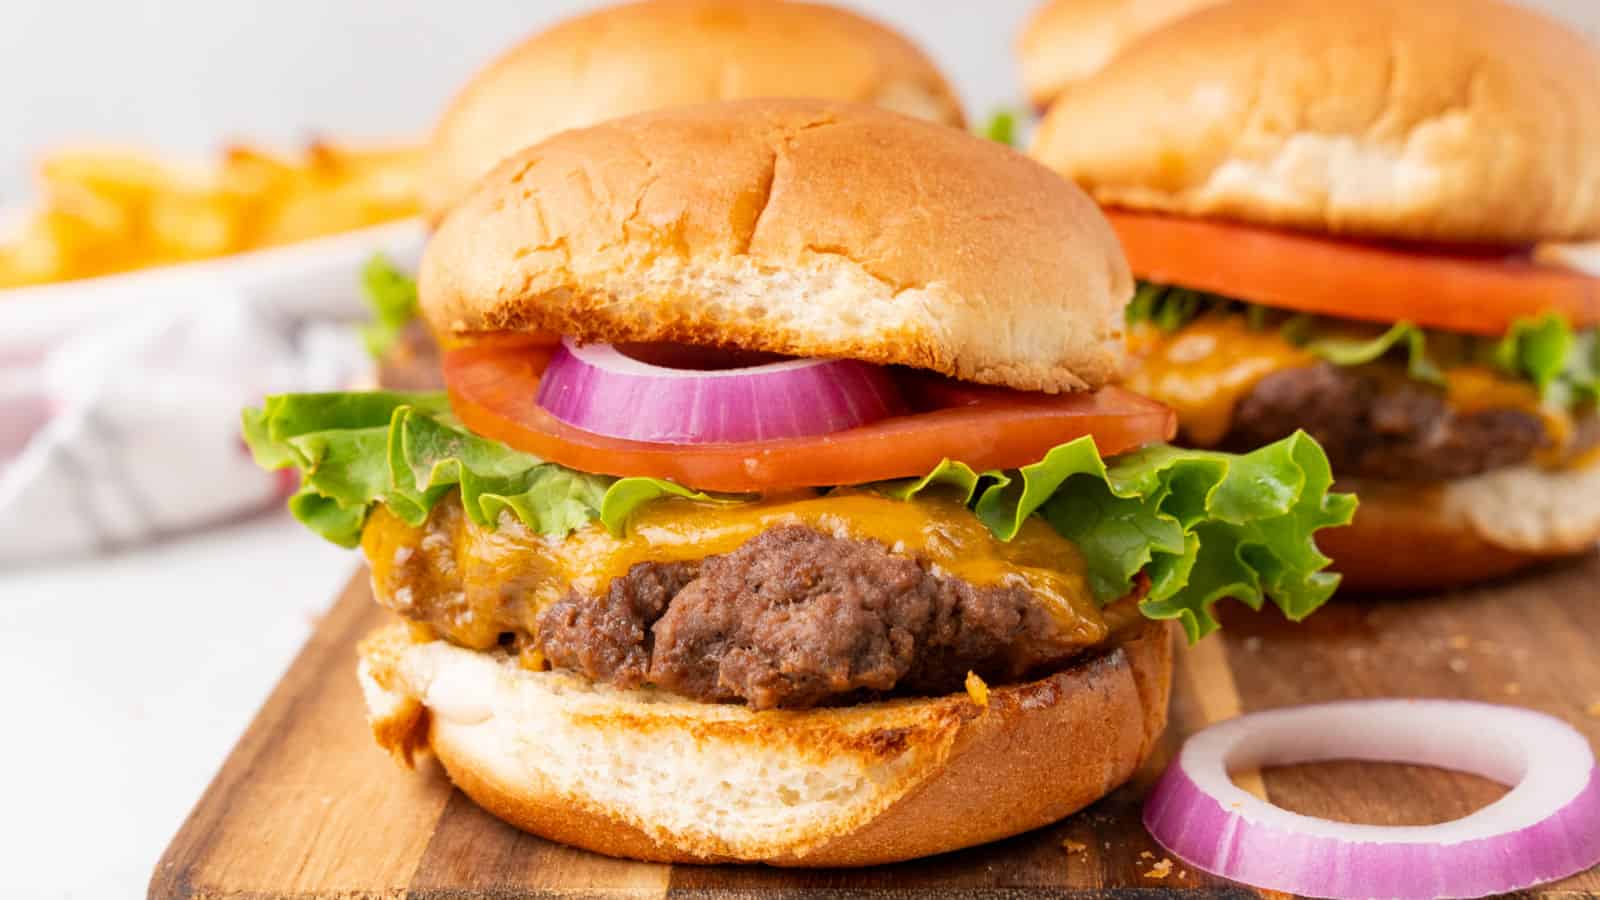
(643, 56)
(804, 227)
(1065, 41)
(1466, 121)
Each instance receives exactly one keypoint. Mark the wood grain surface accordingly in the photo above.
(308, 807)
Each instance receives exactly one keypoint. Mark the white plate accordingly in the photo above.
(318, 279)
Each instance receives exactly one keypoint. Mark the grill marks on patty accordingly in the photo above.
(1378, 424)
(795, 618)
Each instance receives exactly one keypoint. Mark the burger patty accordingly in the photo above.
(790, 617)
(1375, 424)
(795, 618)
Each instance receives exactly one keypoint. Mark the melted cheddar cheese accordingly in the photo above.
(1473, 388)
(479, 582)
(1204, 369)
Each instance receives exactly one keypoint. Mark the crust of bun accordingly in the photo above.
(803, 227)
(1460, 121)
(1417, 538)
(636, 57)
(1066, 41)
(708, 783)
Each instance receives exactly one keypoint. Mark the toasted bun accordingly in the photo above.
(1468, 121)
(636, 57)
(649, 776)
(1474, 529)
(1065, 41)
(804, 227)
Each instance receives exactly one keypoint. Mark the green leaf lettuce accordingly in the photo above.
(1346, 351)
(404, 450)
(1202, 525)
(1564, 365)
(1002, 127)
(392, 296)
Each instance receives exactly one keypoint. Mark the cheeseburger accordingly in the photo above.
(778, 509)
(1331, 208)
(632, 58)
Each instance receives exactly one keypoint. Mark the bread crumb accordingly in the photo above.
(977, 689)
(1460, 642)
(1072, 846)
(1160, 870)
(1458, 665)
(1513, 689)
(1146, 854)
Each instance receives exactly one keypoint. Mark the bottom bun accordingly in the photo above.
(1410, 537)
(651, 776)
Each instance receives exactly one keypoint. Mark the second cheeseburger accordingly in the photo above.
(818, 538)
(1331, 206)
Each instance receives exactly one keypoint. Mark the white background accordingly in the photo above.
(124, 681)
(186, 74)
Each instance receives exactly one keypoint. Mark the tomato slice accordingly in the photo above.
(492, 391)
(1455, 290)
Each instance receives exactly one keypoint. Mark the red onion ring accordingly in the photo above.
(1547, 827)
(598, 389)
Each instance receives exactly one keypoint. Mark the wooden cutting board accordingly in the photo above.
(308, 807)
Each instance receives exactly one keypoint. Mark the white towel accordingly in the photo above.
(120, 396)
(129, 431)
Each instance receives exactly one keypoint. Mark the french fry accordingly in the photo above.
(108, 210)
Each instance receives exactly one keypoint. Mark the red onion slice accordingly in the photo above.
(1547, 827)
(597, 388)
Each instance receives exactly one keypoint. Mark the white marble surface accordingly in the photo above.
(124, 682)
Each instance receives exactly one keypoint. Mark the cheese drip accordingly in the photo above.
(1205, 368)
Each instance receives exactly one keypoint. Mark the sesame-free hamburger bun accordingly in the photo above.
(801, 237)
(646, 775)
(1066, 41)
(636, 57)
(1448, 121)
